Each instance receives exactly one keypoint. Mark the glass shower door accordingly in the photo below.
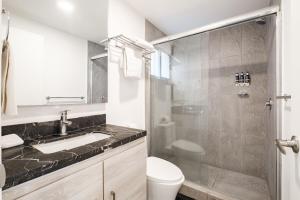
(179, 92)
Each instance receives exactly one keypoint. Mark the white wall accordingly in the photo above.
(290, 85)
(126, 97)
(28, 114)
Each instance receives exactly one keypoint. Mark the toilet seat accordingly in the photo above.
(162, 171)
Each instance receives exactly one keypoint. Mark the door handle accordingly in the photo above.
(113, 194)
(285, 97)
(293, 143)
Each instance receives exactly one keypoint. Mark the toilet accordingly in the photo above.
(189, 156)
(164, 179)
(169, 145)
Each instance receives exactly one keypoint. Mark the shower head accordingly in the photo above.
(260, 21)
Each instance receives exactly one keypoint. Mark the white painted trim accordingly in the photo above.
(227, 22)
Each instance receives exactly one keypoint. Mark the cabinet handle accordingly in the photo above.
(113, 194)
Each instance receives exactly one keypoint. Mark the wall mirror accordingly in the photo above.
(56, 51)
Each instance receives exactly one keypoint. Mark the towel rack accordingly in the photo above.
(125, 41)
(5, 12)
(48, 98)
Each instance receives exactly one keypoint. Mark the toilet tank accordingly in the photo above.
(166, 136)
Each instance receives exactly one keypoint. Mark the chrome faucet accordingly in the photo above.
(64, 122)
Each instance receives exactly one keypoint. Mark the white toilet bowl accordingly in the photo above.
(164, 179)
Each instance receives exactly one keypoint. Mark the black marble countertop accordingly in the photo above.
(24, 163)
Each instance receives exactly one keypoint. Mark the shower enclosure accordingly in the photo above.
(213, 112)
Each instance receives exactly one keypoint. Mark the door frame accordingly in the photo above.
(279, 104)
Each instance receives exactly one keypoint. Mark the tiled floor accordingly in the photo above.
(208, 182)
(231, 184)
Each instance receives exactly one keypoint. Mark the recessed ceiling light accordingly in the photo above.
(66, 6)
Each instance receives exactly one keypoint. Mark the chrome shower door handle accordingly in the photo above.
(293, 143)
(285, 97)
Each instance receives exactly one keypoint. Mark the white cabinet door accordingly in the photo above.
(86, 184)
(291, 109)
(125, 175)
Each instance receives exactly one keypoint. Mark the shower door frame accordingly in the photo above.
(222, 24)
(272, 10)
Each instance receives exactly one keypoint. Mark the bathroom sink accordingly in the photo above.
(70, 143)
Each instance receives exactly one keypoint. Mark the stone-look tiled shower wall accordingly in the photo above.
(231, 129)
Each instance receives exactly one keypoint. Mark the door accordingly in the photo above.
(290, 163)
(125, 175)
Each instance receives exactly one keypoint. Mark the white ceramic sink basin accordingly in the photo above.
(70, 143)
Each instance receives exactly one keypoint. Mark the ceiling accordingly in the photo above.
(87, 20)
(175, 16)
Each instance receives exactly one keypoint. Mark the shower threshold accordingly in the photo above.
(222, 184)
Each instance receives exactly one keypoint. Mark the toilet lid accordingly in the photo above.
(160, 170)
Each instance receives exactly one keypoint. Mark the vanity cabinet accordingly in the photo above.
(82, 185)
(125, 175)
(118, 174)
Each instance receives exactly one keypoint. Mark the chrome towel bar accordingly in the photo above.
(48, 98)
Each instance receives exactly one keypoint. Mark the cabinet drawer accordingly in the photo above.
(83, 185)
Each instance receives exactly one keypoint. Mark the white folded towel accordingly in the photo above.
(115, 53)
(8, 101)
(132, 63)
(10, 140)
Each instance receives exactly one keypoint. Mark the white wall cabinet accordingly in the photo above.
(121, 170)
